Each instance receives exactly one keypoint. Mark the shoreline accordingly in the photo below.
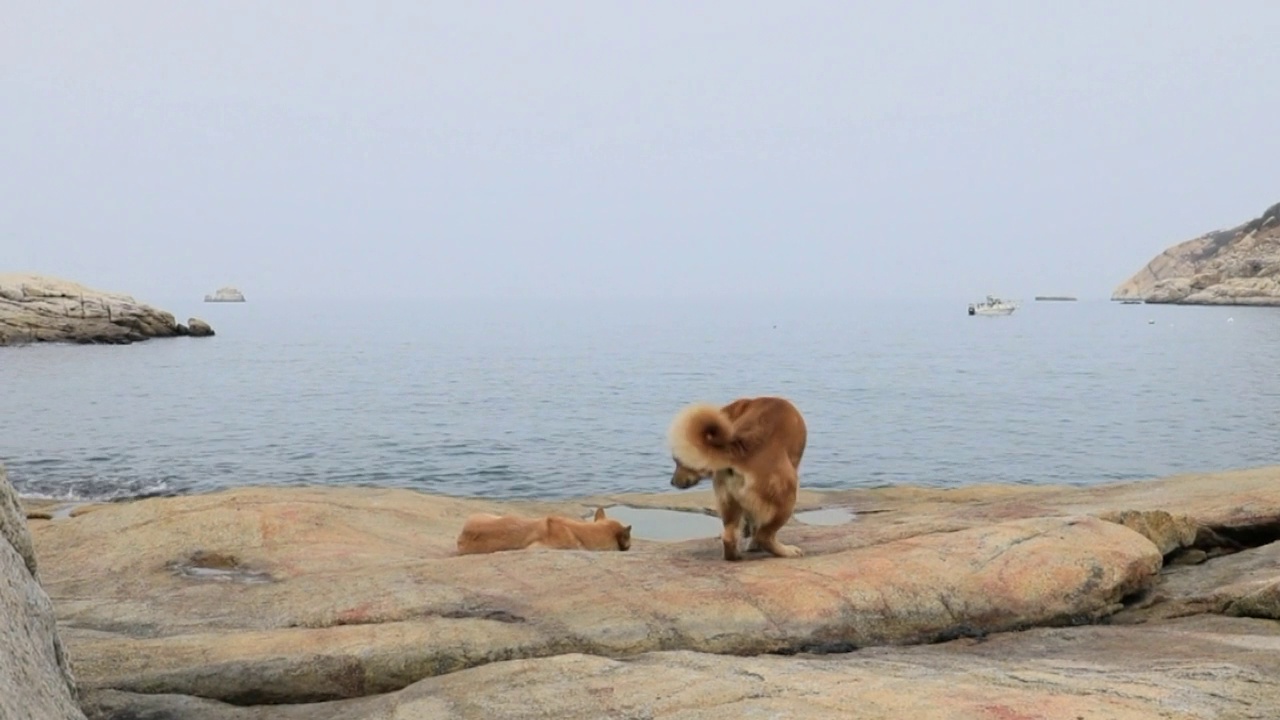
(661, 489)
(667, 515)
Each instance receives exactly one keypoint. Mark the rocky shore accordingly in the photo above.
(1134, 600)
(37, 308)
(1236, 266)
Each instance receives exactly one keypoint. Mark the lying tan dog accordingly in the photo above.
(751, 448)
(495, 533)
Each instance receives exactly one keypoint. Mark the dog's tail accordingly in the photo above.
(701, 437)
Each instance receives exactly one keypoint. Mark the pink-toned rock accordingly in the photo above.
(1190, 669)
(297, 595)
(307, 594)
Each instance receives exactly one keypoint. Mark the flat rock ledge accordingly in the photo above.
(1150, 599)
(37, 308)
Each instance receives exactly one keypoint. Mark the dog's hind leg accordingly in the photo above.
(771, 516)
(749, 532)
(767, 539)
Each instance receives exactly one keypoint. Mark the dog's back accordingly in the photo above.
(758, 421)
(487, 533)
(600, 534)
(745, 433)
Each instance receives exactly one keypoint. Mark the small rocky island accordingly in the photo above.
(1236, 266)
(39, 308)
(226, 294)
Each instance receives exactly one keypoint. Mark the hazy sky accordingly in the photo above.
(596, 149)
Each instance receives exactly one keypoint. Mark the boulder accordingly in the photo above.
(35, 676)
(198, 328)
(35, 308)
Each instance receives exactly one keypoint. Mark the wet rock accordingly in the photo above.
(201, 565)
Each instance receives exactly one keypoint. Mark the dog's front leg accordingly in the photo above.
(730, 516)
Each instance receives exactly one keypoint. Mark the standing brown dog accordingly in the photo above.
(752, 449)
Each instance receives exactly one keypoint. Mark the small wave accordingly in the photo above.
(98, 490)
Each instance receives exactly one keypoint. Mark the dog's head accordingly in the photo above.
(621, 533)
(686, 477)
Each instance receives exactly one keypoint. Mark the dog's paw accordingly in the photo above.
(731, 552)
(789, 551)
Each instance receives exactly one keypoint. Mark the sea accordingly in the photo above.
(553, 399)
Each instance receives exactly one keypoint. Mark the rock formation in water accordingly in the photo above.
(36, 308)
(1238, 266)
(198, 328)
(1132, 600)
(226, 294)
(35, 677)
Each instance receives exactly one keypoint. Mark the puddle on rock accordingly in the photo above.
(65, 512)
(826, 516)
(217, 567)
(665, 525)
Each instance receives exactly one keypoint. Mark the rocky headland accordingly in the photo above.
(1132, 600)
(1237, 266)
(38, 308)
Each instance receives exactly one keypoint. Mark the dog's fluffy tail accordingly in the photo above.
(701, 437)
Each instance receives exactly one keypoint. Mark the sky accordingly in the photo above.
(661, 149)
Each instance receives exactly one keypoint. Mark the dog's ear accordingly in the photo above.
(599, 514)
(626, 529)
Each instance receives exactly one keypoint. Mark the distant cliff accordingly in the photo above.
(1239, 266)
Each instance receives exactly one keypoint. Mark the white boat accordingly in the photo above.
(993, 306)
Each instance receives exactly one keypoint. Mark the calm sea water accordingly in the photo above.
(556, 399)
